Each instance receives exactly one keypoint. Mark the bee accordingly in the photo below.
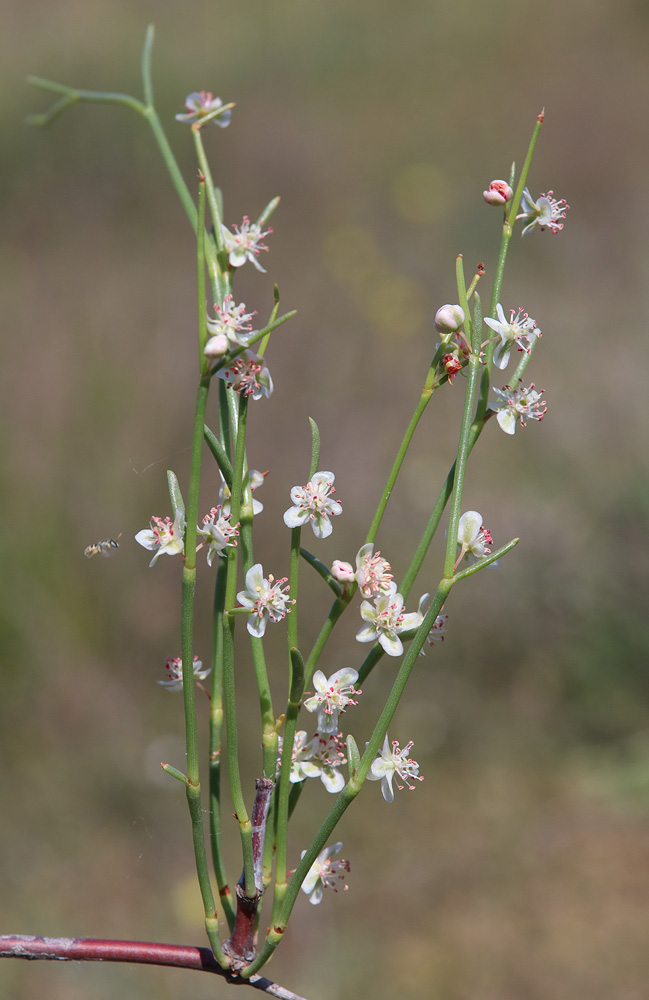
(106, 546)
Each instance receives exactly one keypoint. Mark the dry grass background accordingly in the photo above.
(519, 867)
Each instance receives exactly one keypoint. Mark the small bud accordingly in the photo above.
(343, 572)
(498, 193)
(449, 318)
(216, 346)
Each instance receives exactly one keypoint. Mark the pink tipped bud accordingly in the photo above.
(498, 193)
(343, 572)
(449, 318)
(216, 346)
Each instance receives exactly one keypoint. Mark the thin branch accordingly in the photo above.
(137, 952)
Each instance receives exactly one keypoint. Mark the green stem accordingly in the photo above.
(216, 726)
(424, 400)
(464, 444)
(292, 711)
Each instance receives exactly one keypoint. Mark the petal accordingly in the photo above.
(386, 788)
(366, 634)
(257, 624)
(391, 644)
(506, 421)
(333, 780)
(295, 517)
(322, 526)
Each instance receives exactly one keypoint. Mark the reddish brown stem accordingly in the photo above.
(241, 946)
(137, 952)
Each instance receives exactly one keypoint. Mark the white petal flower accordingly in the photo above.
(174, 681)
(372, 572)
(322, 756)
(163, 536)
(385, 620)
(232, 322)
(332, 696)
(248, 375)
(266, 598)
(254, 479)
(218, 533)
(202, 107)
(313, 505)
(517, 405)
(472, 537)
(325, 874)
(546, 212)
(245, 243)
(520, 330)
(392, 761)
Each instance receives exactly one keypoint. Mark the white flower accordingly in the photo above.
(545, 212)
(472, 537)
(390, 761)
(265, 598)
(233, 323)
(318, 757)
(163, 536)
(518, 404)
(372, 572)
(254, 480)
(218, 533)
(248, 375)
(521, 330)
(325, 874)
(245, 243)
(385, 619)
(313, 505)
(174, 669)
(202, 107)
(333, 695)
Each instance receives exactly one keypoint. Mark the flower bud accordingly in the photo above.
(343, 572)
(216, 346)
(498, 193)
(449, 318)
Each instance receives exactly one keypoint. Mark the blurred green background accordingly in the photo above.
(520, 867)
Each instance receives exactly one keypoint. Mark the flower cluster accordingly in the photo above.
(546, 212)
(254, 480)
(325, 874)
(248, 375)
(174, 681)
(373, 574)
(313, 505)
(245, 243)
(318, 757)
(332, 696)
(265, 598)
(218, 533)
(203, 108)
(517, 405)
(163, 537)
(391, 762)
(385, 619)
(520, 330)
(230, 329)
(472, 538)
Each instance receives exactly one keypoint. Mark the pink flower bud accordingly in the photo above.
(216, 346)
(498, 193)
(449, 318)
(343, 572)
